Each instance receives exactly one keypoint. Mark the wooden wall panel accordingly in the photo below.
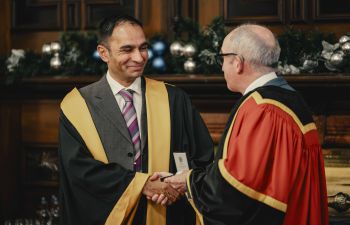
(40, 121)
(33, 40)
(48, 14)
(9, 158)
(216, 123)
(5, 24)
(337, 130)
(238, 11)
(336, 10)
(207, 11)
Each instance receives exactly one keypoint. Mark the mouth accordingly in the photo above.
(136, 67)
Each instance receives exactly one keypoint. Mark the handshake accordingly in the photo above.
(165, 188)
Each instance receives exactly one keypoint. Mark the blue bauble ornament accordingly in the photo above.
(150, 54)
(159, 47)
(95, 55)
(158, 63)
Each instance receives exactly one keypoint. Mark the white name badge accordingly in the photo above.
(181, 161)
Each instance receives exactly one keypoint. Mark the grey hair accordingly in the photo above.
(255, 49)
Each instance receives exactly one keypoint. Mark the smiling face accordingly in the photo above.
(126, 53)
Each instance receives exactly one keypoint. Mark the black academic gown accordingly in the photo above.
(89, 189)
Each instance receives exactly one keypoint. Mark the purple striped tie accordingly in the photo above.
(130, 117)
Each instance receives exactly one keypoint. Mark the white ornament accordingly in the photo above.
(55, 47)
(189, 50)
(346, 47)
(190, 65)
(176, 48)
(336, 59)
(344, 39)
(46, 49)
(55, 62)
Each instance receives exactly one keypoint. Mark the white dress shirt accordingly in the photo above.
(260, 81)
(137, 95)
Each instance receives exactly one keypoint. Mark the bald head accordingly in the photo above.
(255, 43)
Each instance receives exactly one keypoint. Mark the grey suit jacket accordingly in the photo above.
(110, 122)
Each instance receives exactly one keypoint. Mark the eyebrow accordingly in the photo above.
(133, 46)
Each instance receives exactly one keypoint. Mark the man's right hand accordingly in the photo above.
(163, 193)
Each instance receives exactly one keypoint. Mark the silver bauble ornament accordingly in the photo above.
(55, 47)
(46, 49)
(336, 59)
(344, 39)
(55, 62)
(176, 48)
(346, 47)
(190, 65)
(189, 50)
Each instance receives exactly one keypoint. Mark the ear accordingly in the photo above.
(240, 66)
(103, 52)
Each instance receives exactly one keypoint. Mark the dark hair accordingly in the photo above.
(108, 24)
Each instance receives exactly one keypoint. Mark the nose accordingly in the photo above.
(138, 56)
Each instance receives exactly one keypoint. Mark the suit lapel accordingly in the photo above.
(106, 103)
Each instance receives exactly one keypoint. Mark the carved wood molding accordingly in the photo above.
(239, 11)
(68, 14)
(325, 10)
(48, 14)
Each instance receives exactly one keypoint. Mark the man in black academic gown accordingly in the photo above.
(115, 133)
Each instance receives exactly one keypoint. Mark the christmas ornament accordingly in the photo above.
(96, 55)
(159, 47)
(55, 62)
(344, 39)
(190, 65)
(158, 63)
(55, 47)
(336, 59)
(189, 50)
(346, 47)
(176, 48)
(46, 49)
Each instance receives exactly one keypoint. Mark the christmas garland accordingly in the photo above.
(192, 50)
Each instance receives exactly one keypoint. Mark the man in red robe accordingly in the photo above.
(269, 167)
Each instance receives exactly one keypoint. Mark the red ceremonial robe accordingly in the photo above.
(269, 166)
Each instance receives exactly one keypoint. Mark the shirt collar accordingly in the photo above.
(116, 86)
(260, 81)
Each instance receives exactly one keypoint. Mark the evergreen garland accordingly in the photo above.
(298, 46)
(78, 49)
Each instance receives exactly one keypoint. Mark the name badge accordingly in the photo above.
(181, 161)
